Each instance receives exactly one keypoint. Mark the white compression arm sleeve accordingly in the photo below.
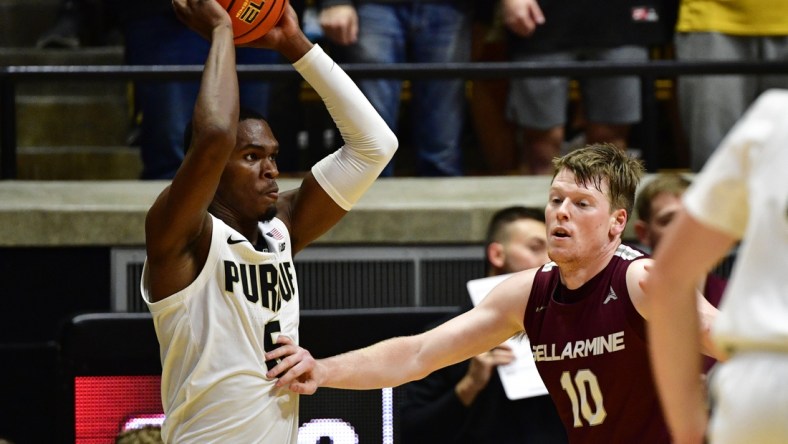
(369, 143)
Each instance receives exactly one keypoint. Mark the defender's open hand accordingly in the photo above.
(295, 368)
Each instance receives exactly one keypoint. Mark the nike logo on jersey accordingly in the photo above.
(543, 307)
(611, 296)
(231, 241)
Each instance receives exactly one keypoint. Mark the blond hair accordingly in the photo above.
(593, 164)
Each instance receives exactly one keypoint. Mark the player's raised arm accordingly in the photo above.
(339, 180)
(178, 223)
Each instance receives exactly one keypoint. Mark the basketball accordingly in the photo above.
(252, 19)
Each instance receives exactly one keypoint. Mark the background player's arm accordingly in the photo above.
(398, 360)
(703, 310)
(687, 252)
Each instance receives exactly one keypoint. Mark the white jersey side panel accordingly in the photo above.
(214, 334)
(743, 190)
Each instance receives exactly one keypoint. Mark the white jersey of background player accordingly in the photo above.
(218, 277)
(741, 193)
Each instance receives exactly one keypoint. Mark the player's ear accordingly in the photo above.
(618, 221)
(641, 231)
(495, 254)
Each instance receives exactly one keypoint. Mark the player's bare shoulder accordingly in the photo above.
(637, 271)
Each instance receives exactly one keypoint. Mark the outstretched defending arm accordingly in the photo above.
(398, 360)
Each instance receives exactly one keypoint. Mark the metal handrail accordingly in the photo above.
(647, 71)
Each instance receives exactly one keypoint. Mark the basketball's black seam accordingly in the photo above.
(230, 6)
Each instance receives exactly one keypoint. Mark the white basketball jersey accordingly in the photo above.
(213, 336)
(743, 191)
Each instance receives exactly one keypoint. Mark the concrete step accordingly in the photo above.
(78, 163)
(72, 121)
(73, 113)
(72, 130)
(97, 55)
(23, 21)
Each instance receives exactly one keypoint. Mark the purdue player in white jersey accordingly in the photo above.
(741, 194)
(219, 278)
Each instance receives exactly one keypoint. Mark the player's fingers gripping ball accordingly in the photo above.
(252, 19)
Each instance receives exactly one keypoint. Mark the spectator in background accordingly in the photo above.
(397, 31)
(657, 205)
(495, 134)
(716, 30)
(78, 23)
(574, 30)
(741, 194)
(465, 402)
(152, 35)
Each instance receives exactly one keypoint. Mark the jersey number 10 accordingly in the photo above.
(578, 390)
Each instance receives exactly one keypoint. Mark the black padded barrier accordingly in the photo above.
(102, 346)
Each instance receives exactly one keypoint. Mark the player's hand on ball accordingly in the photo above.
(201, 16)
(295, 368)
(286, 29)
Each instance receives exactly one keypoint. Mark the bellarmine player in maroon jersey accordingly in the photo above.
(584, 313)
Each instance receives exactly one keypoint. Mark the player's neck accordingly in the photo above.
(576, 273)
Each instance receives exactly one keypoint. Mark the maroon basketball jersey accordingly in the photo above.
(590, 348)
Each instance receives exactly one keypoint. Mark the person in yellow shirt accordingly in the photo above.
(711, 30)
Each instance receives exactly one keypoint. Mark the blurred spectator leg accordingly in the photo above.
(495, 135)
(441, 33)
(68, 27)
(166, 106)
(541, 146)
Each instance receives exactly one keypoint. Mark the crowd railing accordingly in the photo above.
(648, 72)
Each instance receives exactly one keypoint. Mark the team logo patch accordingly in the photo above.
(611, 296)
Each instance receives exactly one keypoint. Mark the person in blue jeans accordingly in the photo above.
(398, 31)
(154, 36)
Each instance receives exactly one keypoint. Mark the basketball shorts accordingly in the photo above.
(541, 102)
(749, 399)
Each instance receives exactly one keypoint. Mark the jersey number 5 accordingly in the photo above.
(272, 328)
(578, 390)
